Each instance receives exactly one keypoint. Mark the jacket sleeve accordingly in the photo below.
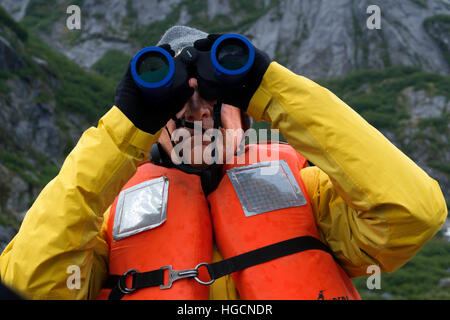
(372, 204)
(60, 237)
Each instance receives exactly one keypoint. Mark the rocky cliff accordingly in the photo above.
(46, 102)
(57, 82)
(316, 38)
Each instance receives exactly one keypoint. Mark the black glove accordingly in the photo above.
(239, 97)
(149, 116)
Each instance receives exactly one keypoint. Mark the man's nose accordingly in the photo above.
(198, 108)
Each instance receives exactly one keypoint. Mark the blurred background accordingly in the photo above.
(56, 82)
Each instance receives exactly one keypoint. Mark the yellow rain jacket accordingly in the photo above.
(372, 204)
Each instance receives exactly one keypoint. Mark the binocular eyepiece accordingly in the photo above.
(153, 70)
(158, 75)
(232, 56)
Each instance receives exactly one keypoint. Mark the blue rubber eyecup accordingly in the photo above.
(220, 70)
(151, 87)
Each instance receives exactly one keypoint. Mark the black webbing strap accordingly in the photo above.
(216, 270)
(140, 280)
(264, 254)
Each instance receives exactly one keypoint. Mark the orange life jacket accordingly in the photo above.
(310, 274)
(251, 208)
(183, 240)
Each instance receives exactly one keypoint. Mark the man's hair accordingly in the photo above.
(179, 37)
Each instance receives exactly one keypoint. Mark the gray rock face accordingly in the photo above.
(422, 139)
(16, 8)
(218, 7)
(444, 283)
(319, 39)
(10, 61)
(153, 10)
(6, 234)
(322, 39)
(27, 128)
(30, 123)
(16, 193)
(104, 27)
(31, 139)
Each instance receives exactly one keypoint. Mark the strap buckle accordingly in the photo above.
(122, 285)
(175, 275)
(200, 281)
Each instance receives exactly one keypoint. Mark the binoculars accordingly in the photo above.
(158, 75)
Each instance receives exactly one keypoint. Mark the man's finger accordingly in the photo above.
(214, 36)
(203, 44)
(167, 47)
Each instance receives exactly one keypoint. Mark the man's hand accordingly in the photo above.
(147, 115)
(240, 97)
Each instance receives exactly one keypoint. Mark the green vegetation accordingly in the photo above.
(74, 90)
(85, 93)
(378, 100)
(441, 166)
(257, 125)
(4, 88)
(81, 92)
(420, 3)
(440, 124)
(149, 35)
(417, 279)
(7, 21)
(245, 13)
(131, 15)
(71, 37)
(37, 176)
(41, 14)
(112, 64)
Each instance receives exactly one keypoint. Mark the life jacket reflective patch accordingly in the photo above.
(141, 207)
(266, 186)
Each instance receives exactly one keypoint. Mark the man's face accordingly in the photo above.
(200, 111)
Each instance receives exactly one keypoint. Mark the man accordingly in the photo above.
(370, 203)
